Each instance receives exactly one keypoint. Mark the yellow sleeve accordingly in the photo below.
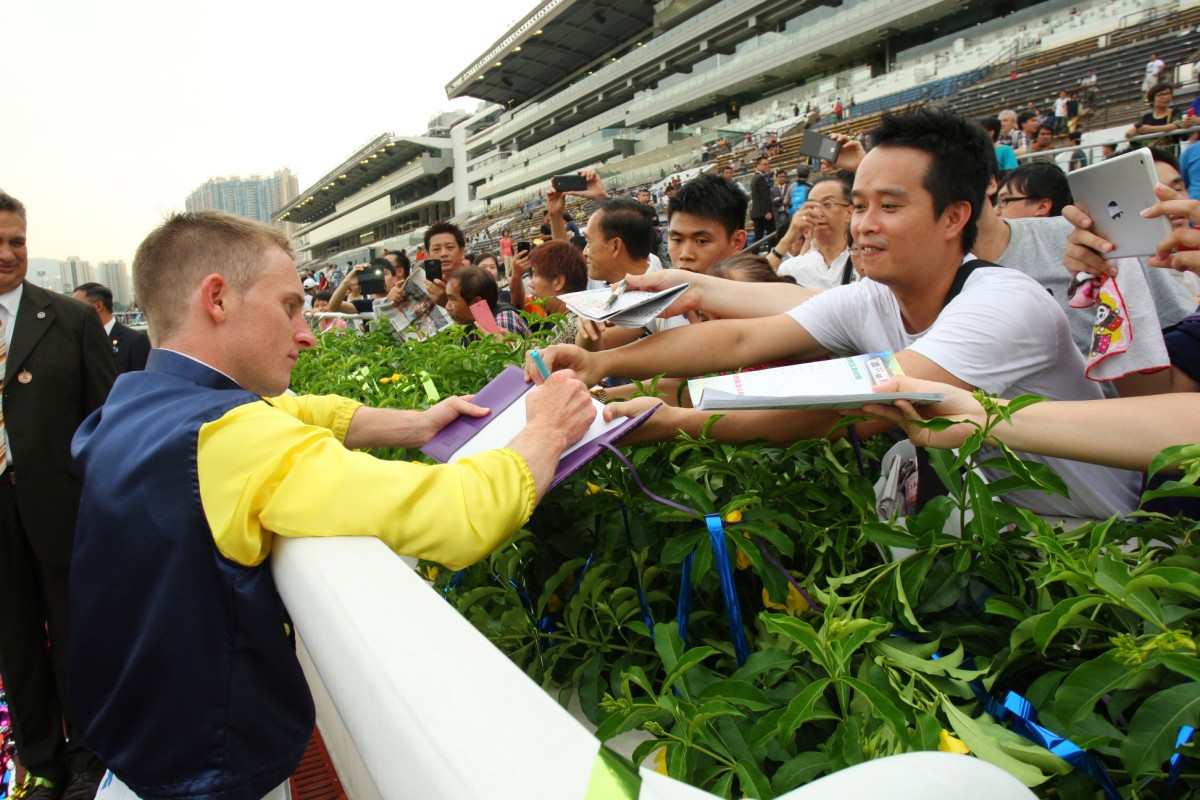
(264, 472)
(325, 411)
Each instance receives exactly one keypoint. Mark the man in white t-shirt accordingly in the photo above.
(917, 200)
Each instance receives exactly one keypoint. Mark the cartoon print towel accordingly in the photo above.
(1123, 307)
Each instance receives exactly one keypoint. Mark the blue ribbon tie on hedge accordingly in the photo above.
(684, 607)
(716, 534)
(1179, 759)
(1024, 721)
(733, 609)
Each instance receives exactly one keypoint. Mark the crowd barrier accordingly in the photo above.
(433, 710)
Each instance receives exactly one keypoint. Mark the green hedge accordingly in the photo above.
(1096, 627)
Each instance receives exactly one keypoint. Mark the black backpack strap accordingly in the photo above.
(929, 485)
(848, 271)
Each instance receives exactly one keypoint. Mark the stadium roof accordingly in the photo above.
(553, 42)
(380, 157)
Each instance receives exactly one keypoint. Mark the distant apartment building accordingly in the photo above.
(75, 271)
(256, 197)
(115, 276)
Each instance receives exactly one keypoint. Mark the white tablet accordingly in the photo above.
(1114, 193)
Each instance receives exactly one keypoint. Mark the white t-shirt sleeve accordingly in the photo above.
(1019, 335)
(836, 318)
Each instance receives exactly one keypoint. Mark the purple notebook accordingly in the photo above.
(505, 396)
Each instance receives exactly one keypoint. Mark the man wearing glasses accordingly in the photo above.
(826, 214)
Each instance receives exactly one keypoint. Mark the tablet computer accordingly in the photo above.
(1114, 193)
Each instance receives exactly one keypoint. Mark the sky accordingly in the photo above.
(114, 111)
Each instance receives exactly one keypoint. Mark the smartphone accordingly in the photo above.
(370, 281)
(524, 247)
(568, 183)
(433, 269)
(818, 145)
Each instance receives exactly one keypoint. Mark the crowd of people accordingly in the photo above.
(174, 480)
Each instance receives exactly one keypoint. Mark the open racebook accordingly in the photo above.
(505, 397)
(632, 309)
(835, 383)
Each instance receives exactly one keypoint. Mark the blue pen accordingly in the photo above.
(536, 357)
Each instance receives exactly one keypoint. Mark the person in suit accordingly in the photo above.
(131, 347)
(58, 367)
(761, 203)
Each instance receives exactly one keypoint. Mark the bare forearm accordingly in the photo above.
(386, 427)
(736, 427)
(1124, 432)
(743, 300)
(541, 447)
(712, 347)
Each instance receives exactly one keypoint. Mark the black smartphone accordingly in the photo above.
(817, 145)
(370, 281)
(524, 247)
(433, 269)
(568, 183)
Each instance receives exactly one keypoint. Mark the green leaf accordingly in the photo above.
(799, 632)
(1152, 731)
(984, 521)
(684, 663)
(981, 743)
(764, 661)
(1186, 665)
(800, 770)
(620, 723)
(1048, 625)
(754, 783)
(739, 693)
(696, 493)
(804, 708)
(1172, 456)
(668, 644)
(1086, 684)
(880, 705)
(1178, 579)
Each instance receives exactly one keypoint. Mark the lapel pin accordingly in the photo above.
(41, 315)
(24, 377)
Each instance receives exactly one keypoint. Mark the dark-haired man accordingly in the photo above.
(468, 286)
(444, 241)
(1034, 189)
(57, 367)
(129, 346)
(705, 223)
(761, 202)
(918, 197)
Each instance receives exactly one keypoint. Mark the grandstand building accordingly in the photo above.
(639, 90)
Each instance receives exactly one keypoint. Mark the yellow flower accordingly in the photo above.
(948, 743)
(743, 561)
(733, 516)
(660, 761)
(385, 380)
(794, 605)
(395, 377)
(553, 603)
(431, 572)
(593, 488)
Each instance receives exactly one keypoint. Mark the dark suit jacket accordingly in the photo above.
(131, 347)
(59, 369)
(760, 195)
